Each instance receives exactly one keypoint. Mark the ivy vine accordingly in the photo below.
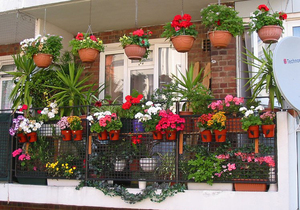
(131, 198)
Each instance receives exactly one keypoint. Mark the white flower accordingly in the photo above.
(90, 118)
(259, 108)
(248, 112)
(157, 105)
(55, 110)
(251, 107)
(149, 103)
(243, 109)
(138, 115)
(51, 115)
(45, 111)
(53, 105)
(107, 113)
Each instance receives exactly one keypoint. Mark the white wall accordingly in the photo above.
(283, 199)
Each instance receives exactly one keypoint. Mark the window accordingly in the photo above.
(6, 82)
(123, 75)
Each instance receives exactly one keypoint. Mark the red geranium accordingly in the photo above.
(79, 36)
(263, 7)
(138, 32)
(93, 37)
(282, 16)
(126, 105)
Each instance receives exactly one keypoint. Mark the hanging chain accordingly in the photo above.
(219, 2)
(136, 13)
(45, 16)
(182, 8)
(89, 30)
(17, 26)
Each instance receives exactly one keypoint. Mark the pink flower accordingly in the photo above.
(113, 115)
(231, 166)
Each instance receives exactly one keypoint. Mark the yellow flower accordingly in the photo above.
(57, 169)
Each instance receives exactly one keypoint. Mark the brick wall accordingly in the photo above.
(32, 206)
(9, 49)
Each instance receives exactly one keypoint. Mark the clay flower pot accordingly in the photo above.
(253, 132)
(88, 55)
(42, 60)
(135, 52)
(206, 136)
(103, 135)
(157, 135)
(171, 135)
(220, 136)
(183, 43)
(66, 135)
(22, 137)
(77, 135)
(270, 34)
(268, 130)
(114, 135)
(219, 39)
(32, 137)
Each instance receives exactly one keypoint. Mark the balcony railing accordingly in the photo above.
(136, 155)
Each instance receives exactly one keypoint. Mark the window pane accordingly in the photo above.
(296, 31)
(169, 62)
(142, 81)
(114, 77)
(7, 86)
(6, 68)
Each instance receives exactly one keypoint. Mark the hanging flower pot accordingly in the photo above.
(206, 136)
(88, 55)
(253, 131)
(148, 164)
(183, 43)
(138, 127)
(135, 52)
(171, 134)
(22, 137)
(102, 135)
(270, 34)
(114, 135)
(77, 135)
(157, 135)
(120, 165)
(42, 60)
(220, 136)
(219, 39)
(32, 137)
(268, 130)
(66, 135)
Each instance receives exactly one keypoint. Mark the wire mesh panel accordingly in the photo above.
(5, 121)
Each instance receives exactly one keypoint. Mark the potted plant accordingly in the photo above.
(148, 161)
(218, 125)
(150, 118)
(182, 32)
(166, 168)
(25, 128)
(263, 78)
(64, 126)
(170, 123)
(113, 126)
(87, 46)
(268, 26)
(251, 120)
(43, 49)
(223, 23)
(99, 122)
(268, 125)
(231, 106)
(76, 127)
(205, 129)
(136, 44)
(252, 171)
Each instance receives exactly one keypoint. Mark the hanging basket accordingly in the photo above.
(88, 55)
(66, 135)
(268, 130)
(206, 136)
(253, 131)
(135, 52)
(270, 34)
(219, 39)
(42, 60)
(77, 135)
(220, 136)
(183, 43)
(32, 137)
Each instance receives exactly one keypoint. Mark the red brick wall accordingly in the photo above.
(9, 49)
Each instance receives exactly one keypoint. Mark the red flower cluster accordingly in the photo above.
(140, 33)
(282, 16)
(131, 100)
(202, 120)
(181, 22)
(98, 104)
(263, 7)
(136, 139)
(24, 107)
(170, 121)
(80, 36)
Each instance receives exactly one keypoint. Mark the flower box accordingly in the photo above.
(205, 186)
(63, 182)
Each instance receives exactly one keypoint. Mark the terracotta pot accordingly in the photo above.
(22, 137)
(253, 132)
(42, 60)
(103, 135)
(66, 135)
(135, 52)
(188, 125)
(114, 135)
(234, 125)
(270, 34)
(157, 135)
(183, 43)
(268, 130)
(219, 39)
(206, 136)
(258, 187)
(88, 55)
(32, 137)
(220, 136)
(171, 134)
(77, 135)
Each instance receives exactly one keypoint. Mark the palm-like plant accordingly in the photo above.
(25, 69)
(264, 76)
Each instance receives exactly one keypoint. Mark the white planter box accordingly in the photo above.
(63, 182)
(205, 186)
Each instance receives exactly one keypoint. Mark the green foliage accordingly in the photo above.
(22, 77)
(203, 168)
(48, 44)
(114, 124)
(149, 192)
(264, 76)
(249, 121)
(85, 40)
(75, 123)
(222, 18)
(95, 127)
(166, 169)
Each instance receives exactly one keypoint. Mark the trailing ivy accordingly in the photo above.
(150, 192)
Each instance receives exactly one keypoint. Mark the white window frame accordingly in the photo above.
(116, 48)
(5, 60)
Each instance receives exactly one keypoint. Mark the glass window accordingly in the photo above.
(296, 31)
(142, 81)
(6, 89)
